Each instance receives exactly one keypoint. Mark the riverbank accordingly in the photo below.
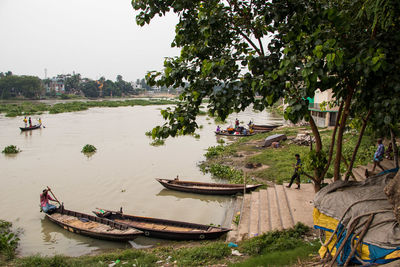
(297, 246)
(269, 165)
(29, 108)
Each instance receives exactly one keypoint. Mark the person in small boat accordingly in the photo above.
(30, 122)
(25, 122)
(236, 123)
(40, 121)
(296, 175)
(44, 202)
(218, 129)
(230, 129)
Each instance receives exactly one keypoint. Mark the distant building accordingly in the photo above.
(56, 84)
(322, 113)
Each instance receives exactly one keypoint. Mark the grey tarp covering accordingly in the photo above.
(334, 199)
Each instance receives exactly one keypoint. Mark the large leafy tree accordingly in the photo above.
(242, 53)
(27, 86)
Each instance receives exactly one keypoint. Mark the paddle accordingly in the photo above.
(48, 188)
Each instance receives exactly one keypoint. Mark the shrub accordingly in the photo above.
(8, 240)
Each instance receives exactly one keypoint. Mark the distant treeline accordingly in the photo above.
(64, 86)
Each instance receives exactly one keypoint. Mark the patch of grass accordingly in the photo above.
(282, 258)
(224, 172)
(280, 161)
(200, 256)
(275, 240)
(11, 150)
(126, 258)
(89, 149)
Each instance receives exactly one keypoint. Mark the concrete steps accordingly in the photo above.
(274, 208)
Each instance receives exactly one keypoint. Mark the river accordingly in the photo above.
(121, 173)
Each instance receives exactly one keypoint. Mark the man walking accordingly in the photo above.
(296, 175)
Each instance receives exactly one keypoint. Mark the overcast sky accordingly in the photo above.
(92, 37)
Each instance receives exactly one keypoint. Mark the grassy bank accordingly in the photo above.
(278, 163)
(281, 248)
(32, 108)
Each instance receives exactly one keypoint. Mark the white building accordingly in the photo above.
(322, 108)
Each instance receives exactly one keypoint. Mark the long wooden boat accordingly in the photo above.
(37, 126)
(225, 133)
(206, 188)
(263, 128)
(165, 229)
(92, 226)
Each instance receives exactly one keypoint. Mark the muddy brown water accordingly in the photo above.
(120, 174)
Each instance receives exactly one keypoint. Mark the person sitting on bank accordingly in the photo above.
(44, 202)
(296, 175)
(378, 156)
(389, 152)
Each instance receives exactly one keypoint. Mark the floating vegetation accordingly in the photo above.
(158, 142)
(11, 150)
(221, 141)
(89, 149)
(148, 133)
(197, 136)
(30, 108)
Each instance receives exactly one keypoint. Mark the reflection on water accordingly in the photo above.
(120, 173)
(182, 195)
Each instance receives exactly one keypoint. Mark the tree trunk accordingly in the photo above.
(395, 148)
(392, 190)
(332, 141)
(353, 158)
(318, 148)
(336, 174)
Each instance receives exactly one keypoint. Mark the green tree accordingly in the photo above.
(72, 83)
(90, 89)
(234, 51)
(27, 86)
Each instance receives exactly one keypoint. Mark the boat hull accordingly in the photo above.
(206, 188)
(115, 231)
(34, 127)
(166, 229)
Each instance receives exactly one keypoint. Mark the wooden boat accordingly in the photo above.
(92, 226)
(206, 188)
(37, 126)
(263, 128)
(257, 126)
(166, 229)
(226, 133)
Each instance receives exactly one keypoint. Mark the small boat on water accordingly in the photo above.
(226, 133)
(166, 229)
(206, 188)
(89, 225)
(37, 126)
